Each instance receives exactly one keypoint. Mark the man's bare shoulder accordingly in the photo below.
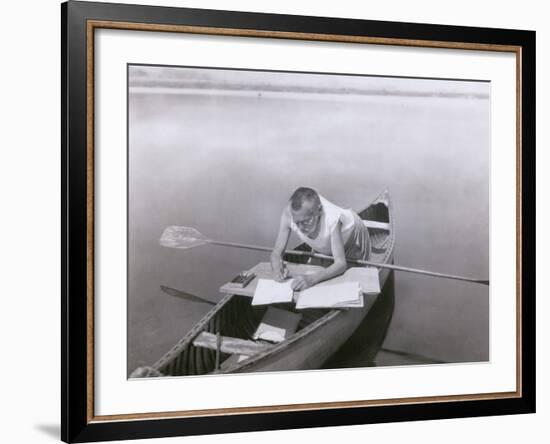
(286, 217)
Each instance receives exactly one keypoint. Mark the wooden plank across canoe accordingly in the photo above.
(378, 225)
(230, 345)
(263, 271)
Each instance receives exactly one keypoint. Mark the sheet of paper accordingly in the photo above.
(277, 325)
(269, 291)
(359, 303)
(367, 277)
(270, 333)
(336, 295)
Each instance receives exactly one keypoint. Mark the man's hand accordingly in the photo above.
(303, 281)
(280, 272)
(278, 267)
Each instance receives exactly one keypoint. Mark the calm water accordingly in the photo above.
(226, 164)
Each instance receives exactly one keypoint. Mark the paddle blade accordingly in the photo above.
(182, 237)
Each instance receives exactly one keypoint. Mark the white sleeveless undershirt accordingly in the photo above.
(330, 216)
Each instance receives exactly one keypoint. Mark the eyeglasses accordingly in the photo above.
(308, 221)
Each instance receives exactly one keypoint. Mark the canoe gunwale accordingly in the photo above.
(243, 365)
(187, 340)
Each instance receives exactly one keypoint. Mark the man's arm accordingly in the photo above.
(336, 268)
(280, 272)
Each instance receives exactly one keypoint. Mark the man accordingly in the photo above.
(326, 228)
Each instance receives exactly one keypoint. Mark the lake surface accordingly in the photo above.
(226, 164)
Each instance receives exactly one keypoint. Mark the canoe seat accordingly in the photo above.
(230, 345)
(378, 225)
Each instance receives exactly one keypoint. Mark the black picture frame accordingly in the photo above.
(78, 423)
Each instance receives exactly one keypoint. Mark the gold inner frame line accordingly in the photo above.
(92, 25)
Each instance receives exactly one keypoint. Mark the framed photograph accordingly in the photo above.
(275, 221)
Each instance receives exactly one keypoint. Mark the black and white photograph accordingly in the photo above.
(293, 221)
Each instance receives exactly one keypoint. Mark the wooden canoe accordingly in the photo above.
(221, 341)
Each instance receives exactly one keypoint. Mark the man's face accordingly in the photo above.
(307, 218)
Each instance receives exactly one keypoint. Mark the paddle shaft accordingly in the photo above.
(356, 261)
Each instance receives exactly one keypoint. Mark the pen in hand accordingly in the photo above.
(282, 272)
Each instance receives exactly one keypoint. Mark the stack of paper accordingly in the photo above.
(277, 325)
(367, 278)
(345, 290)
(346, 294)
(269, 291)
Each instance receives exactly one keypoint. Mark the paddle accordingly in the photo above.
(185, 295)
(188, 237)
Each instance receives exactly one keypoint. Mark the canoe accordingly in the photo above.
(221, 341)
